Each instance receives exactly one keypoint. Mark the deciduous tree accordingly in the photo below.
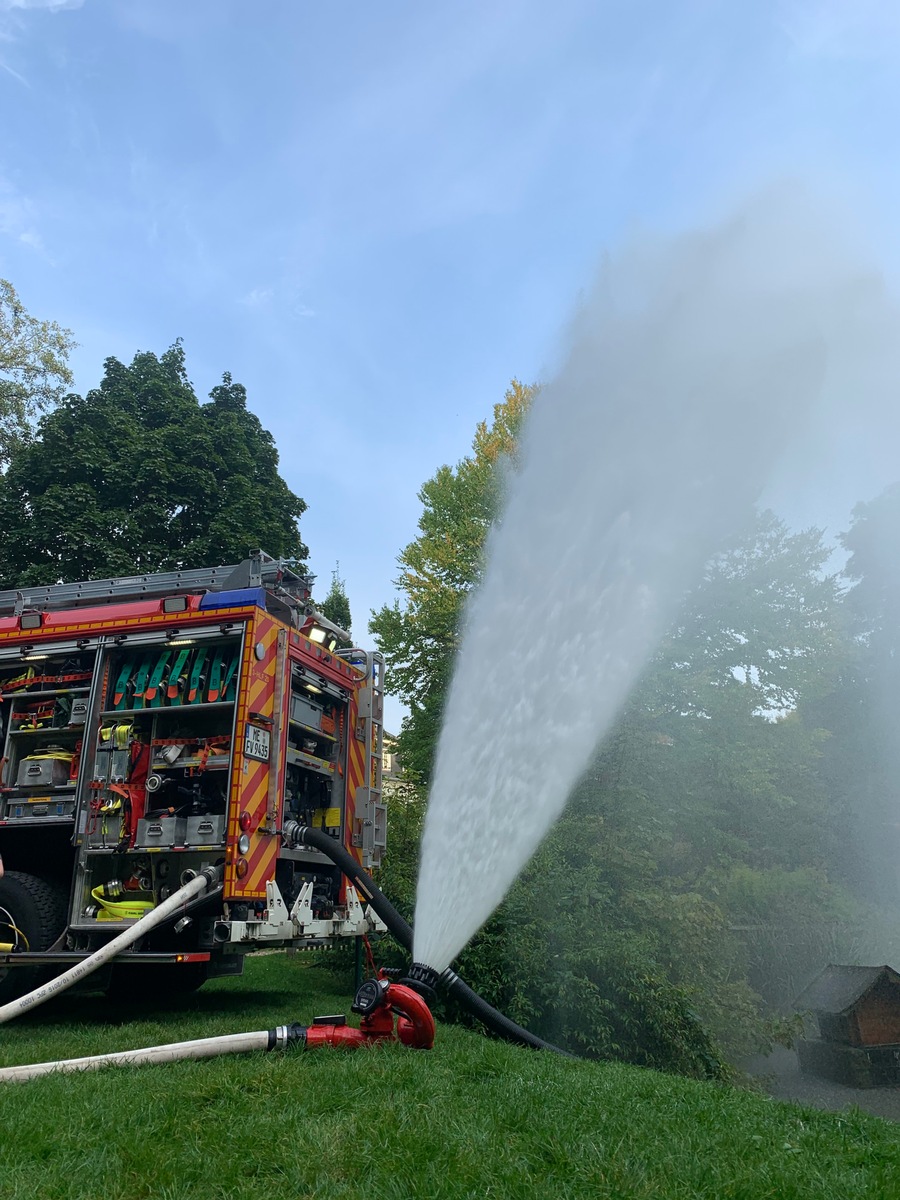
(34, 368)
(139, 476)
(862, 760)
(438, 570)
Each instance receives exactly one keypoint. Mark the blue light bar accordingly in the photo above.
(237, 598)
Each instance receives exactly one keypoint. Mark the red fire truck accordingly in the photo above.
(159, 726)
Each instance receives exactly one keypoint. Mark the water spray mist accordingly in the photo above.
(693, 366)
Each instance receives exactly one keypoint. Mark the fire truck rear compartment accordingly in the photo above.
(179, 738)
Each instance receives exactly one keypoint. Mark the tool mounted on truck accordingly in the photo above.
(159, 726)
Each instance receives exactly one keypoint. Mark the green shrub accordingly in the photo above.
(605, 998)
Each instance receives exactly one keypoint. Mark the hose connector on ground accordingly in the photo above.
(390, 1013)
(296, 834)
(422, 979)
(286, 1035)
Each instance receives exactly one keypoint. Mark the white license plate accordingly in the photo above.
(256, 743)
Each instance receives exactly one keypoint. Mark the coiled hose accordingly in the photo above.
(489, 1016)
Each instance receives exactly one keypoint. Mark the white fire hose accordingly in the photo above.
(230, 1043)
(208, 877)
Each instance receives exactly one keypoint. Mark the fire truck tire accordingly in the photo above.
(32, 912)
(140, 984)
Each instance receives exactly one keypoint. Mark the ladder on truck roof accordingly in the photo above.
(285, 586)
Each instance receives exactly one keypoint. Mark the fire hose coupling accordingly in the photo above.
(287, 1035)
(292, 833)
(422, 979)
(212, 875)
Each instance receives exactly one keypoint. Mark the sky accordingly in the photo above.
(376, 215)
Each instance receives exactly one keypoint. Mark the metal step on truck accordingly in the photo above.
(162, 726)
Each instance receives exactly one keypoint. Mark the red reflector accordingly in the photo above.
(245, 821)
(242, 868)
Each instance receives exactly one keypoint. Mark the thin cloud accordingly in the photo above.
(15, 74)
(257, 296)
(17, 218)
(835, 29)
(49, 5)
(12, 12)
(32, 239)
(260, 297)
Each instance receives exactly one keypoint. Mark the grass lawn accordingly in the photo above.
(472, 1118)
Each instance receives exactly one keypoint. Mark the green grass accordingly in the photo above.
(473, 1118)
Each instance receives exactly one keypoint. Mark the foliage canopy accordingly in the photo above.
(34, 370)
(439, 569)
(139, 476)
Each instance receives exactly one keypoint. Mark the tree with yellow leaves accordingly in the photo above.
(419, 635)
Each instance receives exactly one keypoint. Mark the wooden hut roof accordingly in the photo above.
(838, 989)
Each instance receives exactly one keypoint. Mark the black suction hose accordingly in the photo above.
(492, 1017)
(317, 839)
